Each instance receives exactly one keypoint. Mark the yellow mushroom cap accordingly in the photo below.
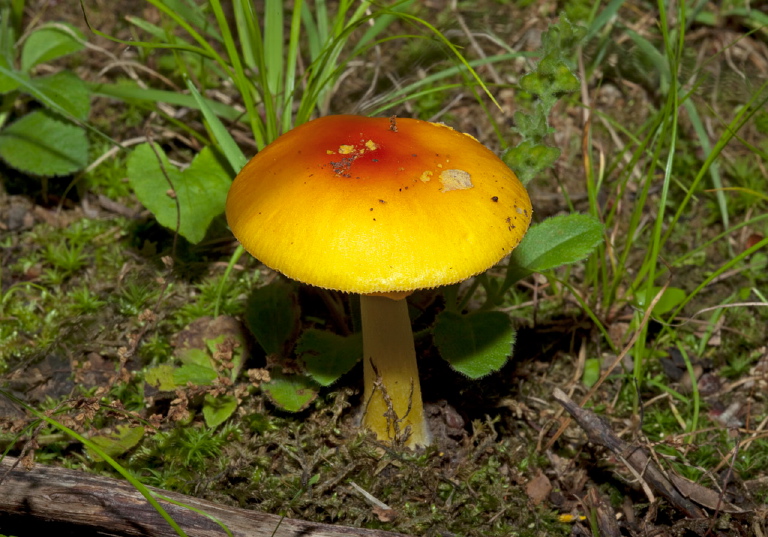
(376, 205)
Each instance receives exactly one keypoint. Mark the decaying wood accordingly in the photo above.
(605, 516)
(635, 457)
(56, 501)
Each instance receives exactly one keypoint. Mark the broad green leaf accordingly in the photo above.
(217, 410)
(328, 356)
(200, 190)
(11, 15)
(198, 375)
(672, 297)
(50, 42)
(117, 443)
(195, 356)
(290, 392)
(557, 241)
(272, 315)
(476, 344)
(591, 372)
(161, 377)
(41, 143)
(758, 262)
(66, 90)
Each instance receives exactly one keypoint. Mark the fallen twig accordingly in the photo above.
(57, 501)
(635, 457)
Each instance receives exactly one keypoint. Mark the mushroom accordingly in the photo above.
(380, 207)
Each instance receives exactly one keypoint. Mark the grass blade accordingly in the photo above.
(220, 133)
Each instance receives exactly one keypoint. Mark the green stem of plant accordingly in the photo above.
(673, 51)
(694, 423)
(225, 277)
(468, 294)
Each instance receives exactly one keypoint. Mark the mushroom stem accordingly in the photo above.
(392, 389)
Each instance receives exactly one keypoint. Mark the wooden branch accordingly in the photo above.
(57, 501)
(634, 457)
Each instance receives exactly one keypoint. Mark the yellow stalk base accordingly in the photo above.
(392, 389)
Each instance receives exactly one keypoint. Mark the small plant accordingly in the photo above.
(47, 138)
(210, 372)
(66, 257)
(551, 79)
(175, 459)
(739, 365)
(85, 301)
(135, 297)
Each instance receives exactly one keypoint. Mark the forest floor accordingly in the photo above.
(101, 306)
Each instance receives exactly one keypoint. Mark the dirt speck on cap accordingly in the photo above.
(455, 180)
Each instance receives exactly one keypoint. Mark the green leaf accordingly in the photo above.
(41, 143)
(476, 344)
(562, 38)
(50, 42)
(117, 443)
(66, 90)
(557, 241)
(195, 356)
(221, 135)
(272, 315)
(152, 29)
(237, 352)
(261, 422)
(649, 55)
(217, 410)
(130, 92)
(201, 190)
(290, 392)
(533, 127)
(6, 82)
(529, 159)
(161, 377)
(198, 375)
(328, 356)
(672, 297)
(591, 372)
(552, 78)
